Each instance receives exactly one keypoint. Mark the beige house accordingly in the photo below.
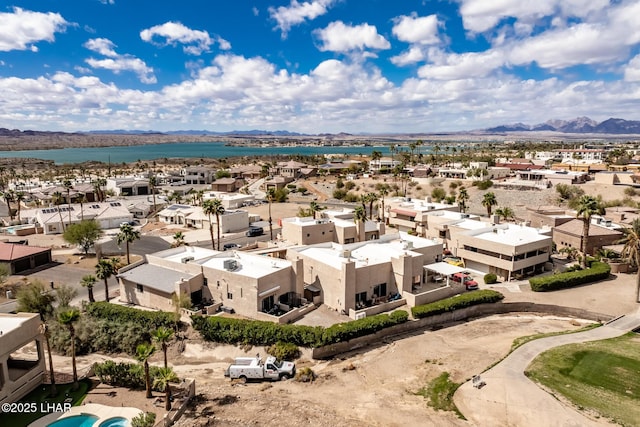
(547, 216)
(407, 214)
(350, 278)
(602, 232)
(248, 284)
(22, 363)
(333, 226)
(194, 216)
(228, 185)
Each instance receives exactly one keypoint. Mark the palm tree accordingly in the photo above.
(68, 186)
(218, 210)
(127, 235)
(271, 195)
(371, 198)
(153, 182)
(44, 330)
(631, 250)
(104, 270)
(586, 207)
(359, 217)
(68, 318)
(314, 208)
(143, 353)
(463, 198)
(489, 201)
(436, 150)
(383, 192)
(19, 197)
(505, 213)
(88, 281)
(209, 209)
(57, 200)
(8, 197)
(163, 380)
(162, 336)
(82, 199)
(178, 239)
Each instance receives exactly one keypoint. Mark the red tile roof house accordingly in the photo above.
(22, 257)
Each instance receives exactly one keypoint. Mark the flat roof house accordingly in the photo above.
(411, 214)
(129, 186)
(22, 363)
(357, 276)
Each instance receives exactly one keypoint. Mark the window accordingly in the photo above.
(229, 295)
(268, 303)
(380, 290)
(140, 288)
(361, 298)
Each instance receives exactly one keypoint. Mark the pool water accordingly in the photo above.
(83, 420)
(115, 422)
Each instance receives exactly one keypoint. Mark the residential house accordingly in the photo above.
(128, 186)
(54, 219)
(384, 164)
(194, 216)
(227, 185)
(198, 175)
(230, 200)
(22, 364)
(411, 214)
(19, 258)
(276, 182)
(602, 232)
(333, 226)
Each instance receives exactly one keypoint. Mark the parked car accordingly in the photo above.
(229, 246)
(454, 260)
(465, 278)
(254, 231)
(247, 368)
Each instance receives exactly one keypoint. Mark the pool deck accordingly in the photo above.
(103, 413)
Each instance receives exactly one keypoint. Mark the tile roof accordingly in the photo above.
(12, 251)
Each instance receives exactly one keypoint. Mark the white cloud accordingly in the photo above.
(195, 41)
(20, 29)
(460, 66)
(420, 30)
(413, 55)
(480, 15)
(116, 62)
(296, 13)
(338, 37)
(125, 63)
(632, 70)
(102, 46)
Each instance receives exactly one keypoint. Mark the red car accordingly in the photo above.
(466, 279)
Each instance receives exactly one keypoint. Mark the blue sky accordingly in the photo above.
(315, 66)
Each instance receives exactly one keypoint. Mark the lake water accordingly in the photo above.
(217, 150)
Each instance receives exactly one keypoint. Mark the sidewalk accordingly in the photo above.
(509, 398)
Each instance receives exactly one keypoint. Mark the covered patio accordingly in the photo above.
(440, 273)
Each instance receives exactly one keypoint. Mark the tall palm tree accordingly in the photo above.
(586, 207)
(371, 199)
(44, 330)
(271, 195)
(162, 336)
(127, 235)
(57, 199)
(143, 353)
(153, 182)
(88, 282)
(314, 208)
(383, 192)
(359, 217)
(68, 318)
(218, 210)
(82, 198)
(209, 209)
(163, 380)
(104, 270)
(631, 250)
(19, 197)
(463, 198)
(436, 150)
(68, 186)
(489, 201)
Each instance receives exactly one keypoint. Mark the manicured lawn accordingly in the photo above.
(602, 376)
(40, 396)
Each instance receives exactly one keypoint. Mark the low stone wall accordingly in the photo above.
(377, 309)
(452, 317)
(430, 296)
(289, 316)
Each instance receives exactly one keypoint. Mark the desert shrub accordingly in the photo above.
(122, 374)
(483, 185)
(291, 187)
(145, 419)
(339, 194)
(490, 278)
(349, 185)
(351, 197)
(302, 190)
(438, 194)
(455, 303)
(597, 271)
(284, 351)
(148, 319)
(306, 375)
(339, 183)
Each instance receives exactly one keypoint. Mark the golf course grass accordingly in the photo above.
(602, 376)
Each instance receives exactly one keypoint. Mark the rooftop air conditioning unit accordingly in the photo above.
(598, 220)
(230, 264)
(607, 223)
(345, 253)
(186, 259)
(464, 215)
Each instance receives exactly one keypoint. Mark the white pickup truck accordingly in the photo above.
(249, 368)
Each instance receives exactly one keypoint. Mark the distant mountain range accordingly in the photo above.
(196, 132)
(577, 125)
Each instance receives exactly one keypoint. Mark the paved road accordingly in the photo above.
(142, 246)
(509, 398)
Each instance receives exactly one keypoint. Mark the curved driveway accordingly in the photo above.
(509, 398)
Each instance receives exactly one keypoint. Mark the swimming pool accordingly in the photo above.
(115, 422)
(82, 420)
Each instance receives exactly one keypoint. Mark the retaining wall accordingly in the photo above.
(448, 318)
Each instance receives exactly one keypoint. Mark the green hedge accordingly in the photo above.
(490, 279)
(119, 313)
(256, 332)
(597, 271)
(455, 303)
